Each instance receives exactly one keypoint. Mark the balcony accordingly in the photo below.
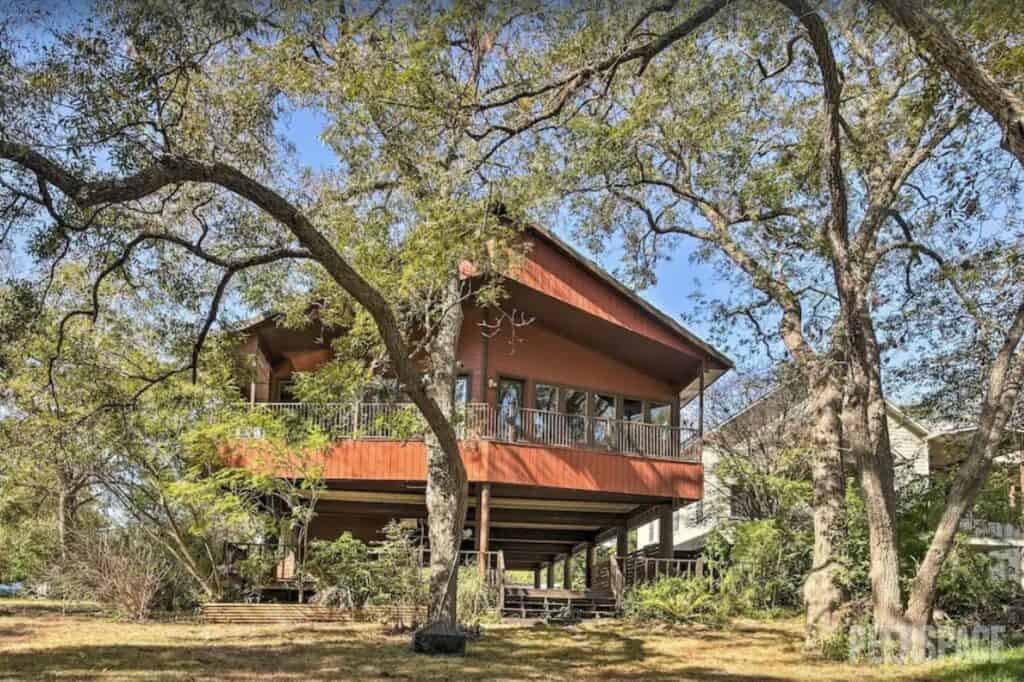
(990, 530)
(481, 421)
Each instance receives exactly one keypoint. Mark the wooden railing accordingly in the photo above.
(480, 421)
(984, 528)
(637, 568)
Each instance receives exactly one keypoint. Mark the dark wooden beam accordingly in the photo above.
(532, 548)
(540, 535)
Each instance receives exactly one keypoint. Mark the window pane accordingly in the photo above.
(633, 430)
(576, 411)
(546, 423)
(575, 402)
(546, 397)
(604, 406)
(661, 413)
(462, 389)
(510, 400)
(632, 410)
(661, 440)
(604, 413)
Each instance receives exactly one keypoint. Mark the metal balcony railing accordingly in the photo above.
(481, 421)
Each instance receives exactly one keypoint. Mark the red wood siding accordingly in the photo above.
(540, 355)
(551, 272)
(547, 467)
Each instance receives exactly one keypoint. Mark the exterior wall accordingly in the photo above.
(540, 355)
(328, 527)
(909, 450)
(692, 523)
(541, 466)
(550, 271)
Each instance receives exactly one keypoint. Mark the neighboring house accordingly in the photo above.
(571, 433)
(920, 451)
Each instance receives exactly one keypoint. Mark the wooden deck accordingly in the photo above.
(555, 593)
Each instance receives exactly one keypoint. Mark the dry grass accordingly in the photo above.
(37, 641)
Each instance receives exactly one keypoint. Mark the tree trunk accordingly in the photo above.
(447, 486)
(1004, 384)
(943, 47)
(821, 590)
(868, 442)
(67, 511)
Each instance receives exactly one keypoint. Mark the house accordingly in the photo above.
(921, 451)
(571, 433)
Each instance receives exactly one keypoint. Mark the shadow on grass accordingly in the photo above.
(332, 653)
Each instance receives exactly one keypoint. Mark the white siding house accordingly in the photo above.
(918, 450)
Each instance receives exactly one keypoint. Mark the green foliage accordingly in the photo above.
(760, 565)
(968, 590)
(343, 571)
(477, 600)
(26, 549)
(678, 600)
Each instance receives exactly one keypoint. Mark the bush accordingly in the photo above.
(342, 570)
(123, 570)
(678, 600)
(968, 590)
(761, 566)
(477, 601)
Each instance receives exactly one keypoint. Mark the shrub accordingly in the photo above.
(342, 570)
(969, 591)
(477, 601)
(678, 600)
(123, 570)
(760, 566)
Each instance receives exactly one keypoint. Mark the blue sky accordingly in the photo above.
(678, 278)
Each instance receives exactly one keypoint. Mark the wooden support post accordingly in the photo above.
(700, 404)
(622, 540)
(483, 525)
(1020, 489)
(567, 572)
(551, 575)
(536, 578)
(666, 539)
(591, 559)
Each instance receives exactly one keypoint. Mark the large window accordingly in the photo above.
(286, 391)
(604, 417)
(633, 431)
(510, 402)
(545, 419)
(660, 413)
(576, 409)
(462, 386)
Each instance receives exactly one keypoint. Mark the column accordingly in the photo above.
(483, 524)
(567, 572)
(666, 538)
(591, 558)
(622, 540)
(536, 578)
(551, 574)
(700, 404)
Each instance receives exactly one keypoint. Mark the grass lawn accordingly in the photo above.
(37, 641)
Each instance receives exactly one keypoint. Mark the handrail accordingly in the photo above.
(638, 568)
(617, 580)
(480, 421)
